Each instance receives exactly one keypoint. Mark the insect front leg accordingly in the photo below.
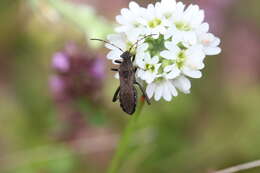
(115, 98)
(118, 61)
(144, 93)
(114, 69)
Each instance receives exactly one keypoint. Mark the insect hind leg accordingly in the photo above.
(115, 97)
(144, 93)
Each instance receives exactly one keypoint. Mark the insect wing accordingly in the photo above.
(128, 96)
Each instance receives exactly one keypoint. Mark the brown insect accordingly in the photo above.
(126, 92)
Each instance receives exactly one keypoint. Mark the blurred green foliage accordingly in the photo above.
(82, 17)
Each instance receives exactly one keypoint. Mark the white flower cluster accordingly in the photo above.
(174, 52)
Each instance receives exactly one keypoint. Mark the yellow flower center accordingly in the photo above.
(168, 15)
(183, 26)
(150, 67)
(136, 24)
(181, 59)
(154, 23)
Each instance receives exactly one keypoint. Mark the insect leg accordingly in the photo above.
(118, 61)
(133, 59)
(116, 94)
(114, 69)
(144, 93)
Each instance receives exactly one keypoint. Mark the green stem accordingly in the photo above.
(124, 141)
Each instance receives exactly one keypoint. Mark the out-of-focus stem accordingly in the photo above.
(124, 141)
(241, 167)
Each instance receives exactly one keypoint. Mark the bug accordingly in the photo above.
(126, 92)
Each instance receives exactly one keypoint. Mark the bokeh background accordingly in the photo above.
(55, 120)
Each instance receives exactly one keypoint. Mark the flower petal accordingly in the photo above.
(167, 92)
(150, 90)
(116, 75)
(183, 84)
(191, 73)
(212, 51)
(158, 92)
(175, 72)
(172, 90)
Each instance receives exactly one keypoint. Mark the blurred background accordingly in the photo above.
(56, 114)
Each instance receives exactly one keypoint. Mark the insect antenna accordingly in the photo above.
(96, 39)
(136, 43)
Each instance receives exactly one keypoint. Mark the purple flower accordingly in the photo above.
(57, 86)
(78, 73)
(78, 77)
(60, 62)
(97, 68)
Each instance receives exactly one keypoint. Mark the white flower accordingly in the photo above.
(210, 43)
(152, 19)
(129, 21)
(189, 61)
(183, 84)
(166, 8)
(184, 23)
(148, 67)
(171, 71)
(141, 49)
(159, 89)
(120, 41)
(174, 53)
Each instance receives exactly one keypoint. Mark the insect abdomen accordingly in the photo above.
(128, 100)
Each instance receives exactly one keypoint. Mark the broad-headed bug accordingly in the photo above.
(126, 92)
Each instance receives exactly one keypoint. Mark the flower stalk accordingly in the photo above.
(125, 140)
